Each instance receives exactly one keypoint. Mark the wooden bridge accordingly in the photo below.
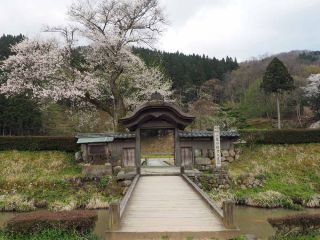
(173, 206)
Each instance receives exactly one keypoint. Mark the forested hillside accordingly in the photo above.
(189, 75)
(242, 90)
(188, 72)
(222, 92)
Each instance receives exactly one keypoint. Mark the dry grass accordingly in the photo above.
(295, 160)
(158, 146)
(97, 202)
(23, 166)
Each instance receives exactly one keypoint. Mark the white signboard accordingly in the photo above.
(217, 147)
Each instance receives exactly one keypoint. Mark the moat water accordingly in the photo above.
(249, 220)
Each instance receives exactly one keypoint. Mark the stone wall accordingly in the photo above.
(230, 155)
(216, 180)
(227, 156)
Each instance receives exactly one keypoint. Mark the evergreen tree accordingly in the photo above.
(6, 41)
(188, 72)
(277, 80)
(19, 115)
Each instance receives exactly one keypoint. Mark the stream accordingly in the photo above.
(250, 220)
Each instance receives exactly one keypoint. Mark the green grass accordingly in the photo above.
(48, 176)
(239, 238)
(44, 165)
(50, 234)
(302, 237)
(292, 170)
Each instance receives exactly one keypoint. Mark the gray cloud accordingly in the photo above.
(247, 28)
(240, 28)
(29, 16)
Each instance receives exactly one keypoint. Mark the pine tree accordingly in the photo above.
(188, 72)
(277, 80)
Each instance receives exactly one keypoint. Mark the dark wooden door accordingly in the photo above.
(187, 157)
(128, 157)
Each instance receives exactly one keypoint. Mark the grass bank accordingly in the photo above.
(49, 179)
(277, 176)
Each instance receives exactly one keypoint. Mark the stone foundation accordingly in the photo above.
(216, 180)
(97, 171)
(227, 156)
(230, 155)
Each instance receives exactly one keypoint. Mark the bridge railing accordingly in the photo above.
(226, 214)
(116, 209)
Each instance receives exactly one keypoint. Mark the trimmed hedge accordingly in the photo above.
(298, 224)
(37, 143)
(288, 136)
(81, 221)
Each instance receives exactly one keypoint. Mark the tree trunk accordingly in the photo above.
(299, 114)
(118, 108)
(119, 112)
(278, 111)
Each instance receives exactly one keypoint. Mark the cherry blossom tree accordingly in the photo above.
(109, 76)
(312, 92)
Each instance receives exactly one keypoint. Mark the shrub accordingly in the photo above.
(239, 238)
(104, 181)
(67, 144)
(287, 136)
(296, 224)
(49, 234)
(78, 220)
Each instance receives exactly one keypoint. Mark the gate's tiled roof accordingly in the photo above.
(99, 135)
(107, 137)
(199, 134)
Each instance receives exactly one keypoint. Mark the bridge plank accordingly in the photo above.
(167, 204)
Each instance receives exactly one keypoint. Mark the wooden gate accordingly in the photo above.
(128, 157)
(187, 157)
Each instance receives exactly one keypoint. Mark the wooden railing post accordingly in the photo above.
(182, 169)
(228, 214)
(114, 216)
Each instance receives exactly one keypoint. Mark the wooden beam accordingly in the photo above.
(228, 214)
(127, 196)
(138, 149)
(177, 157)
(114, 216)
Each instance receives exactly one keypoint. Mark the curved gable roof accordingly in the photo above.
(157, 111)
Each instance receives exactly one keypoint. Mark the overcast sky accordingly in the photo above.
(237, 28)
